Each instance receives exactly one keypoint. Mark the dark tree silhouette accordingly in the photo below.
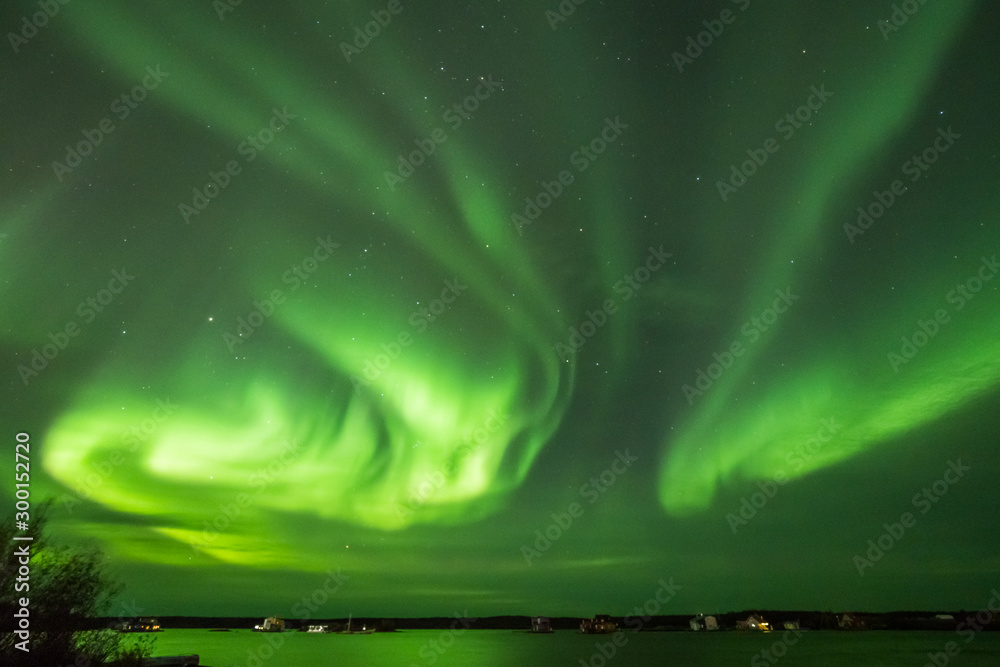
(68, 589)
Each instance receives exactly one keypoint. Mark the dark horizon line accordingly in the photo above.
(750, 610)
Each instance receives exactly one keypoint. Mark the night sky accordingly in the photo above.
(507, 308)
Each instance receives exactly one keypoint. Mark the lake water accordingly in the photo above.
(503, 648)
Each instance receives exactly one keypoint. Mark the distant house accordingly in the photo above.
(754, 622)
(599, 625)
(850, 622)
(141, 625)
(791, 625)
(702, 622)
(541, 624)
(318, 628)
(271, 624)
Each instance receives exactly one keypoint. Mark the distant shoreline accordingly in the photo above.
(727, 621)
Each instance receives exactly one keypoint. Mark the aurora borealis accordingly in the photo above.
(520, 308)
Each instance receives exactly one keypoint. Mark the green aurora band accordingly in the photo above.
(428, 439)
(275, 448)
(753, 429)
